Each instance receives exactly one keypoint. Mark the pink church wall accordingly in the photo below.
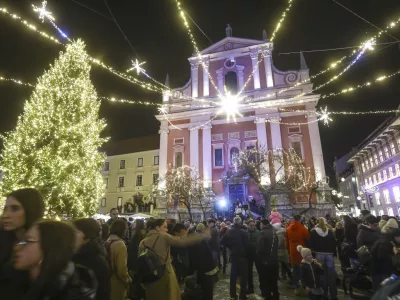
(200, 84)
(173, 134)
(263, 76)
(213, 67)
(247, 71)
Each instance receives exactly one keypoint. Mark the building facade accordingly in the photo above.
(130, 171)
(347, 186)
(194, 132)
(377, 166)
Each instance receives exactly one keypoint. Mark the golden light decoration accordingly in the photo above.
(43, 12)
(136, 66)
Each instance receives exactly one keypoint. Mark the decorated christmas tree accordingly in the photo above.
(54, 147)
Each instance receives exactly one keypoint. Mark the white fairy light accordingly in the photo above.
(323, 115)
(43, 12)
(136, 66)
(229, 106)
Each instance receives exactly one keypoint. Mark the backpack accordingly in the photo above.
(364, 255)
(150, 268)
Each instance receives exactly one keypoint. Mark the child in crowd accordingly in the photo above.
(310, 274)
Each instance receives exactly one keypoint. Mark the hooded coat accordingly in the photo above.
(323, 241)
(382, 254)
(283, 254)
(296, 234)
(367, 236)
(275, 217)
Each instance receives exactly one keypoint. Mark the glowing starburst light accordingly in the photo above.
(323, 115)
(369, 44)
(43, 12)
(136, 66)
(229, 106)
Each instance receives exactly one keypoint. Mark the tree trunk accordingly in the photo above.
(189, 209)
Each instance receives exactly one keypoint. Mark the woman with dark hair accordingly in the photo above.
(139, 233)
(22, 208)
(160, 242)
(117, 258)
(46, 253)
(91, 254)
(350, 231)
(105, 232)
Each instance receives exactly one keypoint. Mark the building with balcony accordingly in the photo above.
(376, 163)
(130, 170)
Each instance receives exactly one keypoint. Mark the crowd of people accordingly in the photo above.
(92, 259)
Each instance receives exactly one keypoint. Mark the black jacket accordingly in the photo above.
(267, 245)
(133, 249)
(74, 283)
(253, 238)
(237, 240)
(91, 256)
(215, 240)
(367, 236)
(201, 258)
(322, 242)
(382, 255)
(310, 275)
(350, 234)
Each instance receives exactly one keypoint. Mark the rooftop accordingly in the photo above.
(132, 145)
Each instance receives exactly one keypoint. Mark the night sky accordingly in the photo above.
(156, 32)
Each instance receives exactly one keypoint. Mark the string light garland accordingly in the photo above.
(360, 86)
(282, 19)
(17, 81)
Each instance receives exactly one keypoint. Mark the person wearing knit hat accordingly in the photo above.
(390, 226)
(310, 271)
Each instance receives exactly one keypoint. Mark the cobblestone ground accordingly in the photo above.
(221, 289)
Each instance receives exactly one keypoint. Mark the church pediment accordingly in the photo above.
(230, 43)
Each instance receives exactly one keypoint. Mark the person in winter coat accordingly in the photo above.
(323, 244)
(160, 242)
(275, 217)
(215, 240)
(138, 234)
(350, 231)
(237, 240)
(382, 253)
(283, 255)
(92, 255)
(296, 234)
(383, 221)
(253, 237)
(46, 253)
(368, 234)
(22, 209)
(310, 274)
(201, 260)
(267, 261)
(118, 258)
(223, 230)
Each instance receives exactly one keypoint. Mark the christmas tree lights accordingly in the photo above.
(54, 147)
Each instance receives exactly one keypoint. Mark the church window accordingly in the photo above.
(297, 148)
(231, 82)
(234, 153)
(178, 159)
(218, 158)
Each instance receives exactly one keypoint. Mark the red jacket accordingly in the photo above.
(296, 234)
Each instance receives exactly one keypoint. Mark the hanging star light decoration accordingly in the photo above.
(229, 106)
(43, 12)
(136, 66)
(323, 115)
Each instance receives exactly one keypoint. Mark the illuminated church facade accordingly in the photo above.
(193, 133)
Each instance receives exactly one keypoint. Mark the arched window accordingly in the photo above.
(231, 82)
(234, 153)
(178, 159)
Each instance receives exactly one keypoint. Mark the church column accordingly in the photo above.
(195, 80)
(163, 152)
(268, 67)
(256, 70)
(316, 147)
(206, 80)
(220, 77)
(240, 76)
(262, 144)
(277, 145)
(194, 148)
(207, 158)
